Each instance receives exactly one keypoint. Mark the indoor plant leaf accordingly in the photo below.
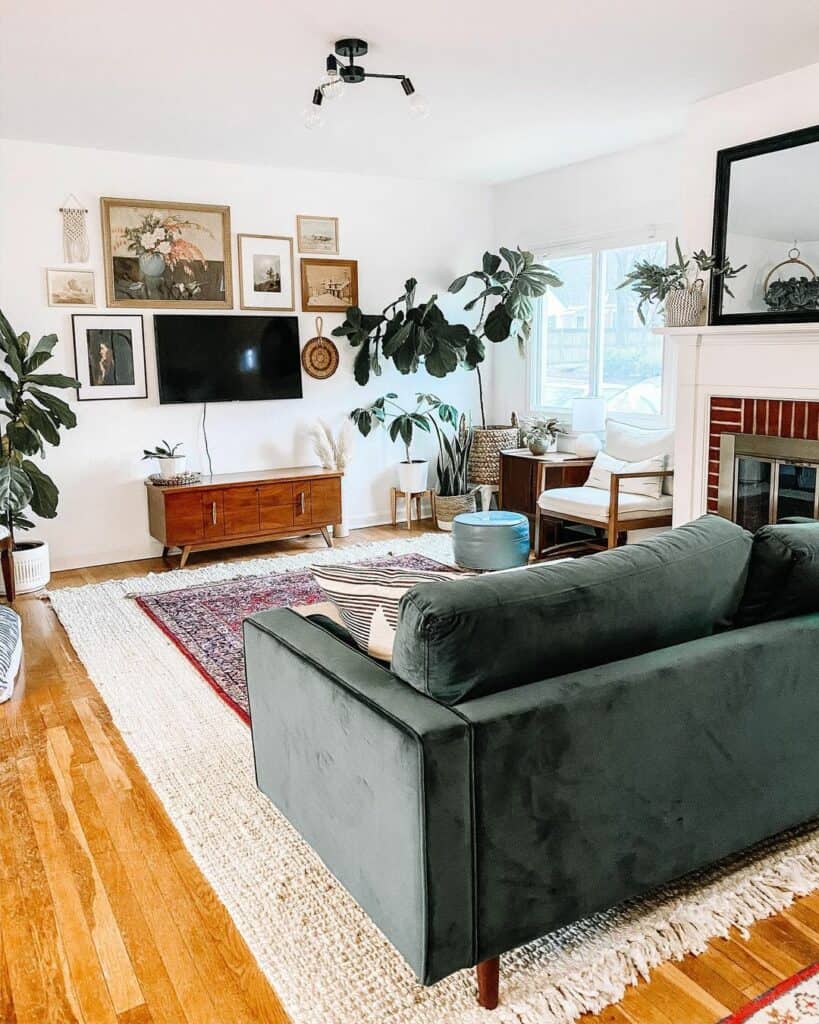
(44, 495)
(15, 488)
(498, 324)
(51, 380)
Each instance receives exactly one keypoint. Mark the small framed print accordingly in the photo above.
(266, 272)
(328, 286)
(109, 356)
(317, 235)
(70, 287)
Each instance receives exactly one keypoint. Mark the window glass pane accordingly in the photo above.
(631, 357)
(565, 335)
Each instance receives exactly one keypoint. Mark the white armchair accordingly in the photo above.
(618, 505)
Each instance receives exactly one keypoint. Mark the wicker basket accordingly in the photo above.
(446, 507)
(487, 444)
(683, 306)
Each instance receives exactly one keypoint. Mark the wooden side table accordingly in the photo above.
(409, 497)
(524, 477)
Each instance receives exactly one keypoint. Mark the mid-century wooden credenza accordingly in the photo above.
(244, 508)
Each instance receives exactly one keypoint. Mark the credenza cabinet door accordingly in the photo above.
(241, 508)
(184, 523)
(325, 501)
(276, 506)
(213, 515)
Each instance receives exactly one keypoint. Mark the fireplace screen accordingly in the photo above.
(765, 479)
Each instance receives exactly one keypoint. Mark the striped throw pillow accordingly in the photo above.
(367, 599)
(11, 649)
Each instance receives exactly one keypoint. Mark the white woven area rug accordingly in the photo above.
(326, 960)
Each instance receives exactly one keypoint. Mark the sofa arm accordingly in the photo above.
(375, 776)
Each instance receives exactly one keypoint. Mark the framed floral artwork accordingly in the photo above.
(170, 255)
(317, 235)
(328, 286)
(109, 356)
(266, 272)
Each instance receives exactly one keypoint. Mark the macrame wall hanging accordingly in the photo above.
(75, 232)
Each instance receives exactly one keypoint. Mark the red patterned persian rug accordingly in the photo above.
(205, 622)
(793, 1001)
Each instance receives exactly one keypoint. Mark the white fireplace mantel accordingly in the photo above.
(738, 361)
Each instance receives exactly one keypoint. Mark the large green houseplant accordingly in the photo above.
(33, 417)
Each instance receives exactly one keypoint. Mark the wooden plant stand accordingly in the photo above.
(409, 497)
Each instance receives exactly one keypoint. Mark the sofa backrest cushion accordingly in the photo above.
(783, 578)
(635, 444)
(501, 630)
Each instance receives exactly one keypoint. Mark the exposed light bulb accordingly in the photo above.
(313, 118)
(419, 108)
(333, 85)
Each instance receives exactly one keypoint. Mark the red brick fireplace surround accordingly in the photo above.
(766, 417)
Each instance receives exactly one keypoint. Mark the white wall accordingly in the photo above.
(396, 228)
(618, 196)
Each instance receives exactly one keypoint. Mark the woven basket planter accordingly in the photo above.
(683, 306)
(446, 507)
(487, 444)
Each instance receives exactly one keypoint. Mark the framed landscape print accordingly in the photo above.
(328, 286)
(70, 287)
(317, 234)
(166, 254)
(109, 356)
(266, 272)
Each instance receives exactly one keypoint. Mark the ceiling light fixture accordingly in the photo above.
(339, 74)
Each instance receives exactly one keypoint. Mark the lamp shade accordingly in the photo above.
(588, 415)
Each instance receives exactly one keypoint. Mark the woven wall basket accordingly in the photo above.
(487, 444)
(683, 306)
(446, 507)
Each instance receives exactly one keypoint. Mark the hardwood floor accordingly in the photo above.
(105, 919)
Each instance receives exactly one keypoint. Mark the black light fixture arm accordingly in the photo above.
(352, 73)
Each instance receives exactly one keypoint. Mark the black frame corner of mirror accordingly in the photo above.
(722, 191)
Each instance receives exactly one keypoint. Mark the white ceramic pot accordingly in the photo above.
(413, 476)
(169, 467)
(32, 566)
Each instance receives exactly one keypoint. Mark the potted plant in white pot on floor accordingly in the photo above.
(401, 424)
(33, 418)
(169, 462)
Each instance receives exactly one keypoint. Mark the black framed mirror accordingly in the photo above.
(766, 215)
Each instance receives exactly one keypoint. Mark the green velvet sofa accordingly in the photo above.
(551, 741)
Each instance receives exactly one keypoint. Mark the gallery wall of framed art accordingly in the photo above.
(109, 356)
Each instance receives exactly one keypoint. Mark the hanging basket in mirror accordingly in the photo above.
(792, 293)
(683, 306)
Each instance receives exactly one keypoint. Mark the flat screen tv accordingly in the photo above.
(227, 358)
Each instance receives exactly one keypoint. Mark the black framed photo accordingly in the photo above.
(109, 356)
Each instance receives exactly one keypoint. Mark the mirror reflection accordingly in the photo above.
(773, 226)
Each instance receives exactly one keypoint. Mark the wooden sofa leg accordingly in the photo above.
(488, 974)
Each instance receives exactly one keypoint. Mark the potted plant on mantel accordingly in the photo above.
(413, 474)
(683, 298)
(33, 417)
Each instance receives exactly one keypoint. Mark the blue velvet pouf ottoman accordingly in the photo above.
(490, 540)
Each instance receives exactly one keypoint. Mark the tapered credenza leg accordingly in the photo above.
(186, 550)
(488, 976)
(326, 535)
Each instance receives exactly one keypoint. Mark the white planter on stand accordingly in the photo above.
(169, 467)
(32, 566)
(413, 476)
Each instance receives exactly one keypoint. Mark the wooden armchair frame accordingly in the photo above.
(615, 529)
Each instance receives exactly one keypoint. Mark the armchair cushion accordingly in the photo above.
(604, 465)
(633, 444)
(593, 503)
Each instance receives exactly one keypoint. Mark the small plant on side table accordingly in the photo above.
(541, 434)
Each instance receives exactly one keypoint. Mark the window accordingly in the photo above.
(589, 339)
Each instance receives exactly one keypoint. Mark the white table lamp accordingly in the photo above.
(588, 419)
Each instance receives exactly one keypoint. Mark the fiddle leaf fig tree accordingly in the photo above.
(34, 417)
(507, 298)
(410, 336)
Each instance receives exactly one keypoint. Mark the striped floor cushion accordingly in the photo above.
(367, 599)
(11, 649)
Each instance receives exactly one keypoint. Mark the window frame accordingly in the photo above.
(593, 246)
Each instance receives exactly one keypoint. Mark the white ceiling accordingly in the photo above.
(515, 86)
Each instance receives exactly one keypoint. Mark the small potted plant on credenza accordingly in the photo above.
(170, 464)
(34, 417)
